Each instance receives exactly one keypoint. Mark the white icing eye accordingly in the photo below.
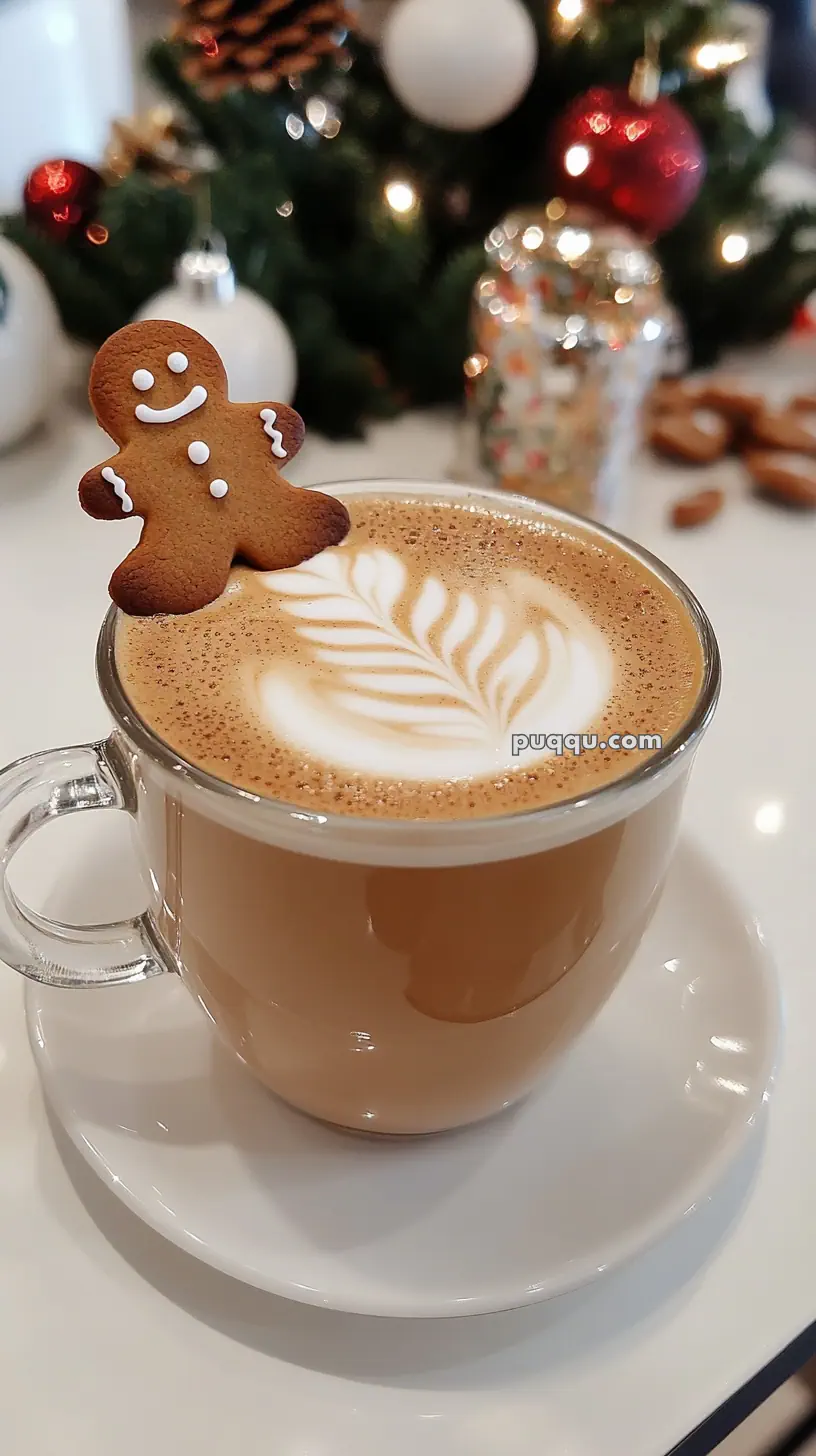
(218, 488)
(177, 362)
(198, 452)
(143, 379)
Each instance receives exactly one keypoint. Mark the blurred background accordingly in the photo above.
(531, 210)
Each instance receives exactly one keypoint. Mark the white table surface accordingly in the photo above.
(112, 1340)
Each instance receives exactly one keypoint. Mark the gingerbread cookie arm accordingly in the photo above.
(277, 425)
(103, 491)
(172, 573)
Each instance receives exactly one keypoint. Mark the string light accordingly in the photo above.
(532, 238)
(576, 160)
(572, 243)
(400, 196)
(322, 116)
(568, 17)
(476, 365)
(286, 208)
(734, 248)
(295, 126)
(317, 111)
(719, 55)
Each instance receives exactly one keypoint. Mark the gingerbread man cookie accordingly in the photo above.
(202, 472)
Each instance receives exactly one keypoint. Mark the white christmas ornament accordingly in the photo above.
(459, 64)
(250, 336)
(30, 345)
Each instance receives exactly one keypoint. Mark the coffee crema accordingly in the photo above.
(389, 676)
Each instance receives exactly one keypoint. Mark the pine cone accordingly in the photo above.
(256, 43)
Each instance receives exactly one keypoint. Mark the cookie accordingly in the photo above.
(696, 509)
(201, 472)
(695, 437)
(672, 396)
(737, 405)
(784, 476)
(785, 430)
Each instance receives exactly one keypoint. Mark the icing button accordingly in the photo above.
(142, 379)
(218, 488)
(198, 452)
(177, 362)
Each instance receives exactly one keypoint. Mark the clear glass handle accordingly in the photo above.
(33, 791)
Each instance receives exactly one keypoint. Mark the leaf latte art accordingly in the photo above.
(404, 678)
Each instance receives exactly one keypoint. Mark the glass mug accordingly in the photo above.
(391, 976)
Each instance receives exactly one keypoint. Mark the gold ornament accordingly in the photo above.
(157, 143)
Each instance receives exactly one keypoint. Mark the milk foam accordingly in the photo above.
(411, 679)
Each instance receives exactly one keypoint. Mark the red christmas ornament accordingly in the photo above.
(642, 163)
(804, 319)
(59, 197)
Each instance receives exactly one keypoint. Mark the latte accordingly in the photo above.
(400, 673)
(396, 976)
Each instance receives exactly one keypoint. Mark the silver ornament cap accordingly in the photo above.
(204, 273)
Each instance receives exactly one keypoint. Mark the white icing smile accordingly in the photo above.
(408, 679)
(192, 401)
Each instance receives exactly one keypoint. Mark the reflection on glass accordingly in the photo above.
(729, 1086)
(729, 1043)
(770, 817)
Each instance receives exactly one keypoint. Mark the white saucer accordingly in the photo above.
(627, 1135)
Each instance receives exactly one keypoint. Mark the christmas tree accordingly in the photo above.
(363, 224)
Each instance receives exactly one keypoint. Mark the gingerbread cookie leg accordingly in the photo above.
(280, 538)
(178, 569)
